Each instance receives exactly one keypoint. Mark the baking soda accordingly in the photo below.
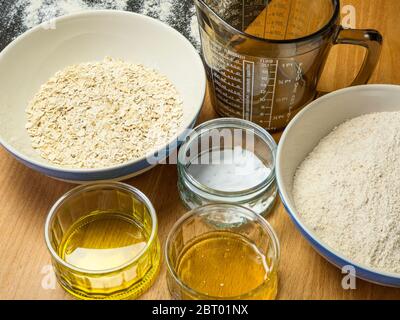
(230, 170)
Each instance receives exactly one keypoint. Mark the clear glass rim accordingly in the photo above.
(312, 36)
(229, 123)
(200, 211)
(89, 187)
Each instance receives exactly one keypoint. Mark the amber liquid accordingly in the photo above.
(227, 265)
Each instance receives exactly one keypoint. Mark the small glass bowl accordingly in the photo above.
(222, 222)
(217, 136)
(133, 276)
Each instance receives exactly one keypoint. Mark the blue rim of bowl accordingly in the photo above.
(369, 274)
(54, 170)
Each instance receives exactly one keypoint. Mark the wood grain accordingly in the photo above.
(26, 197)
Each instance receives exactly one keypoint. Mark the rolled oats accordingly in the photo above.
(100, 114)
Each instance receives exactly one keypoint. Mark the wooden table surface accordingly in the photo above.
(26, 197)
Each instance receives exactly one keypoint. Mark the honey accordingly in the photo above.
(223, 264)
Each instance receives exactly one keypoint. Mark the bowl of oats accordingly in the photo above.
(101, 95)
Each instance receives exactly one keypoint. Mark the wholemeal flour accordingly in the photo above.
(348, 190)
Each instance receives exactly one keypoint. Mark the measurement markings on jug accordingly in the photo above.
(248, 89)
(275, 75)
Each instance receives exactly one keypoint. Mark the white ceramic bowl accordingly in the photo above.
(31, 59)
(304, 133)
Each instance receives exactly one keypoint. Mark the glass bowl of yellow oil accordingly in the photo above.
(222, 251)
(103, 241)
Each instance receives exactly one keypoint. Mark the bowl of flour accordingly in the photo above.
(98, 95)
(338, 169)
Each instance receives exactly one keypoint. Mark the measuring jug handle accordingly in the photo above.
(369, 39)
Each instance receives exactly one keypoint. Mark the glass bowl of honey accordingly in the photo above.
(222, 251)
(103, 241)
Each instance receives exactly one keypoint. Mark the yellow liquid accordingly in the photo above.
(104, 241)
(227, 265)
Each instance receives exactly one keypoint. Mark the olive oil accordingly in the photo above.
(224, 264)
(103, 241)
(106, 242)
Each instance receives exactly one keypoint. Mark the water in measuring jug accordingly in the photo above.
(264, 58)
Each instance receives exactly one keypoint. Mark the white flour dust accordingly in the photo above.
(348, 190)
(158, 8)
(165, 10)
(34, 12)
(38, 11)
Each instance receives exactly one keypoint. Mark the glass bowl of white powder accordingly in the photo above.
(228, 161)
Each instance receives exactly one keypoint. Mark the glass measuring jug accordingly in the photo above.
(264, 58)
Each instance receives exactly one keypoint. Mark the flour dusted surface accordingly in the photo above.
(20, 15)
(100, 114)
(348, 190)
